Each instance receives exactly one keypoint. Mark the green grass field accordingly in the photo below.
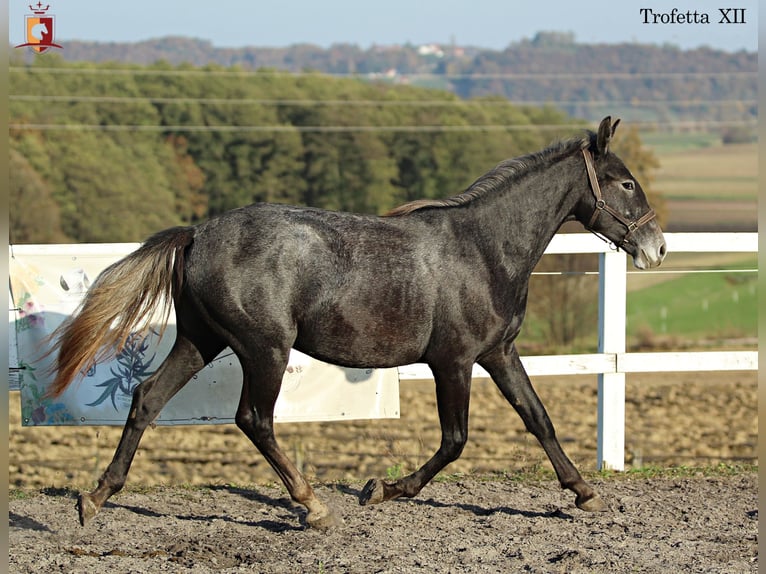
(697, 306)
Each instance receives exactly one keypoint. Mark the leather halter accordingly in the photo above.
(602, 206)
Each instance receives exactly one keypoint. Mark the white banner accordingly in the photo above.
(47, 283)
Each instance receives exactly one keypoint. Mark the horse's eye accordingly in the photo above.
(628, 185)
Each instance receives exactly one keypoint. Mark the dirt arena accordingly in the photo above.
(200, 499)
(474, 525)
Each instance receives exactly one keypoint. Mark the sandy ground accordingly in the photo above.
(484, 521)
(475, 524)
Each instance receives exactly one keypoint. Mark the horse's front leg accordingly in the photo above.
(453, 389)
(505, 368)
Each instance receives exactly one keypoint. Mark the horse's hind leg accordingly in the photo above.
(453, 390)
(148, 399)
(255, 417)
(505, 368)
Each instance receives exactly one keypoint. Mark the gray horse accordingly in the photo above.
(437, 281)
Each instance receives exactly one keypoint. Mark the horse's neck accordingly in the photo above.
(528, 212)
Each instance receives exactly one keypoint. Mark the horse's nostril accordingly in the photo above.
(663, 250)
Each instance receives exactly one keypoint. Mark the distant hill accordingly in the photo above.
(695, 89)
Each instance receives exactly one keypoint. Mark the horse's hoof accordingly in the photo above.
(86, 508)
(592, 504)
(372, 493)
(323, 521)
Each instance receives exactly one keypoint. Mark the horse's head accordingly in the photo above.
(39, 30)
(616, 206)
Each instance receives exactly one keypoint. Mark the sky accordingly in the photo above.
(490, 24)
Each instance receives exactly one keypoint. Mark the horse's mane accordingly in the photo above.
(501, 175)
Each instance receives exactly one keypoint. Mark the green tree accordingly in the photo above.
(33, 215)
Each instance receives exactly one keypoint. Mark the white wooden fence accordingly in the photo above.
(612, 361)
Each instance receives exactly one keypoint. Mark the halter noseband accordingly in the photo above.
(602, 206)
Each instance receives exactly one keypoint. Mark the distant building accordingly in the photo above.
(431, 50)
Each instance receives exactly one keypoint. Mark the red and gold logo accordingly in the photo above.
(39, 29)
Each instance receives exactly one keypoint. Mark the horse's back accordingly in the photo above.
(352, 289)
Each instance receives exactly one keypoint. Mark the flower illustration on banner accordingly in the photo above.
(31, 314)
(36, 406)
(132, 368)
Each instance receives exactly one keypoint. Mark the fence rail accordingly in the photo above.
(612, 361)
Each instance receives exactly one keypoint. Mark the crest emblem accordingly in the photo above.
(39, 29)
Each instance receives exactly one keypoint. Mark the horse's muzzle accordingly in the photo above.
(649, 256)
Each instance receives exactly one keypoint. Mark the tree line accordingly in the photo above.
(105, 153)
(102, 154)
(655, 83)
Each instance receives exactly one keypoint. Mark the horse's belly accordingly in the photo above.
(363, 340)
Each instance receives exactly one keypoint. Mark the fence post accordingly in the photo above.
(612, 307)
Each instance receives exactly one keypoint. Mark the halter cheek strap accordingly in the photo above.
(601, 205)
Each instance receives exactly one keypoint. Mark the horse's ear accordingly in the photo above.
(605, 132)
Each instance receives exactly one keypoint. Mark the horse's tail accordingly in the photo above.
(125, 298)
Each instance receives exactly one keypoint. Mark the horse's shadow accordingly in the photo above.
(270, 525)
(251, 495)
(26, 523)
(472, 508)
(20, 521)
(481, 511)
(287, 507)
